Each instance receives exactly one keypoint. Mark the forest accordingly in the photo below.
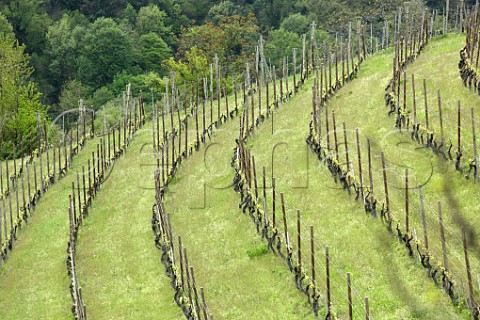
(56, 52)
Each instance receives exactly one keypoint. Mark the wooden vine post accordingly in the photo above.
(299, 240)
(414, 100)
(273, 203)
(385, 182)
(425, 102)
(285, 227)
(407, 220)
(424, 220)
(346, 146)
(349, 296)
(312, 255)
(335, 134)
(360, 174)
(442, 237)
(327, 273)
(442, 137)
(475, 155)
(370, 173)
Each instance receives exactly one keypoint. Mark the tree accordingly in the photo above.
(197, 10)
(129, 15)
(241, 36)
(224, 8)
(296, 23)
(107, 50)
(270, 13)
(64, 46)
(152, 19)
(30, 23)
(101, 97)
(232, 39)
(281, 43)
(71, 93)
(123, 78)
(19, 99)
(153, 50)
(193, 67)
(175, 17)
(6, 28)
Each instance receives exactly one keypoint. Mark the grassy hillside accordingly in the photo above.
(397, 289)
(35, 272)
(359, 105)
(120, 269)
(119, 266)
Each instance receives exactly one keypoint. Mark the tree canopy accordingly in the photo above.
(19, 99)
(91, 48)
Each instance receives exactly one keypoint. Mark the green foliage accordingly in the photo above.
(71, 94)
(19, 99)
(153, 51)
(232, 39)
(224, 8)
(270, 13)
(155, 83)
(107, 50)
(193, 67)
(101, 97)
(258, 251)
(64, 40)
(296, 23)
(30, 22)
(138, 82)
(281, 43)
(6, 28)
(176, 19)
(152, 19)
(129, 14)
(197, 10)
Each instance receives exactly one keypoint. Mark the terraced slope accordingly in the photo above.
(397, 289)
(241, 280)
(34, 282)
(360, 106)
(119, 267)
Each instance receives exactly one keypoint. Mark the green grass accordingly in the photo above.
(258, 251)
(221, 240)
(118, 265)
(34, 281)
(395, 284)
(360, 105)
(120, 269)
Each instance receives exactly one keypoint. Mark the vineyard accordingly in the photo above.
(339, 184)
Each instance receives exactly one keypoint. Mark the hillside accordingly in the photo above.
(278, 209)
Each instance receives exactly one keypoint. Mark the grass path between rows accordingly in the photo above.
(241, 280)
(397, 288)
(360, 104)
(119, 266)
(34, 282)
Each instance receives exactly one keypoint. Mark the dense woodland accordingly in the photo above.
(54, 52)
